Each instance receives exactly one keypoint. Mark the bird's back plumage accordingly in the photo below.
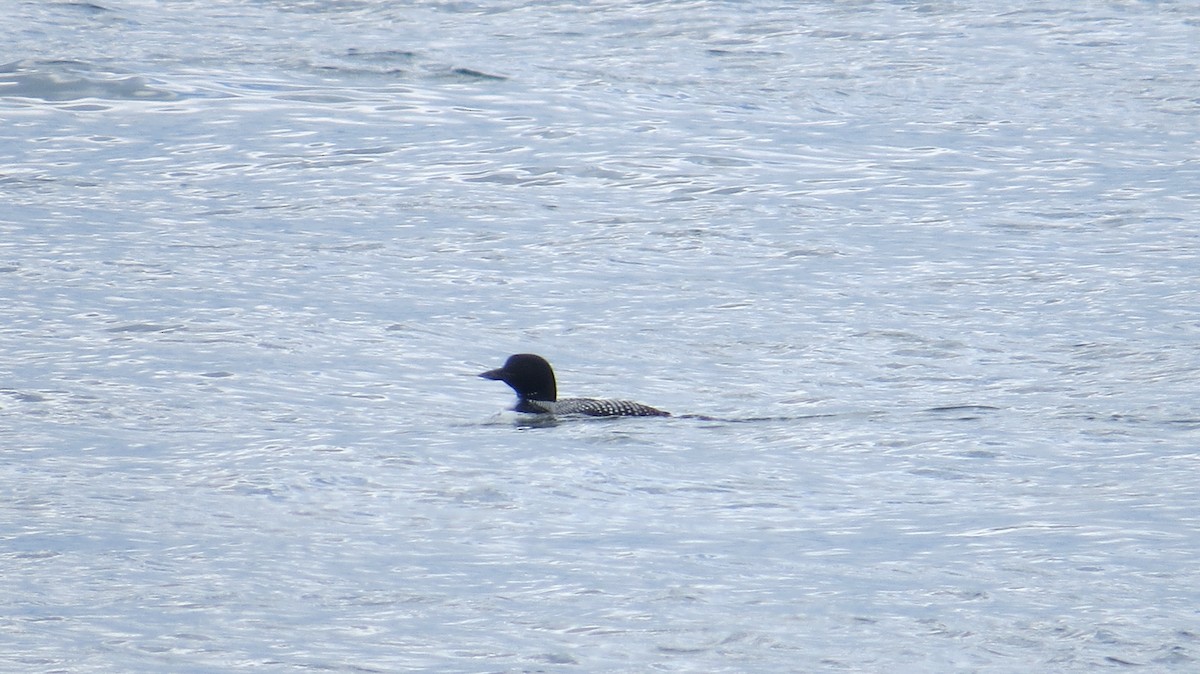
(596, 407)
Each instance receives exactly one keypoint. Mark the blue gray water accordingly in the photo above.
(930, 270)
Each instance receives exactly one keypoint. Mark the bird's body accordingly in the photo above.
(592, 407)
(533, 380)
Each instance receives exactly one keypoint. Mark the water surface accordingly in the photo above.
(925, 275)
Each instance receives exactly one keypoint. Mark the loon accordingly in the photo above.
(533, 380)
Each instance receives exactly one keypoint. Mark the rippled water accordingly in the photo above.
(925, 274)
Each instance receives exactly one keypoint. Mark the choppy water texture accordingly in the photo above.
(929, 269)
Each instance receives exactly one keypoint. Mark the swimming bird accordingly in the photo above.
(533, 380)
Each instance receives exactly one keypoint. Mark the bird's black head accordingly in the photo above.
(529, 375)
